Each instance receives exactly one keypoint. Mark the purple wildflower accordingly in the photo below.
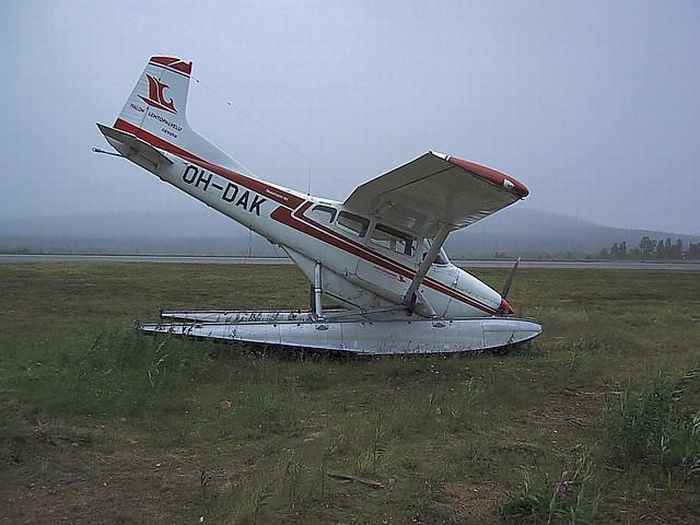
(561, 490)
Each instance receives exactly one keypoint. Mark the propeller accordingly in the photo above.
(511, 278)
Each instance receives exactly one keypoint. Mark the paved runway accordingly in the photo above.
(165, 259)
(159, 259)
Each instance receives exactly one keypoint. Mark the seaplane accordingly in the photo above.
(380, 281)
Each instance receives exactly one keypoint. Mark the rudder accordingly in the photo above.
(159, 100)
(156, 112)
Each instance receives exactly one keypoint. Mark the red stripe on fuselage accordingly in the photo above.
(301, 223)
(257, 186)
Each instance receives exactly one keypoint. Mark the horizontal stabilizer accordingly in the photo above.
(132, 147)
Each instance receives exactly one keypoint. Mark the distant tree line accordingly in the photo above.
(653, 249)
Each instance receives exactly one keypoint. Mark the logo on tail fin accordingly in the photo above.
(156, 95)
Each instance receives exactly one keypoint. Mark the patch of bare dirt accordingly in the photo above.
(48, 477)
(470, 502)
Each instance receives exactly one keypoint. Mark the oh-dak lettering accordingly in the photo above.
(204, 180)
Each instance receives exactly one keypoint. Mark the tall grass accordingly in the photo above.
(442, 409)
(654, 430)
(296, 480)
(126, 375)
(123, 374)
(571, 497)
(376, 439)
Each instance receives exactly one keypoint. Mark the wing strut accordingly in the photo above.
(409, 298)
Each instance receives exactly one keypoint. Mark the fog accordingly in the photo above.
(593, 105)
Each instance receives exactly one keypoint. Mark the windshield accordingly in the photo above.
(441, 258)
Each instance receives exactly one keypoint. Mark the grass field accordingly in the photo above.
(596, 422)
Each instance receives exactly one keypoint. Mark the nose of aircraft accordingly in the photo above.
(505, 308)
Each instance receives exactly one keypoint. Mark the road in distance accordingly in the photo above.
(464, 263)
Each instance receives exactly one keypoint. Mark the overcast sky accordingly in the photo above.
(595, 106)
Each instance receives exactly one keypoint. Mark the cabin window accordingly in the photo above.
(393, 240)
(322, 213)
(353, 223)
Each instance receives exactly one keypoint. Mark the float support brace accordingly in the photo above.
(318, 291)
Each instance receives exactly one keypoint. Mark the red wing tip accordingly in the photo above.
(491, 175)
(173, 63)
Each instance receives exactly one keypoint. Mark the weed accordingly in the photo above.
(323, 465)
(368, 458)
(160, 363)
(293, 474)
(249, 507)
(459, 406)
(571, 497)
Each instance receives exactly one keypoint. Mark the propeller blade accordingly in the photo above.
(511, 278)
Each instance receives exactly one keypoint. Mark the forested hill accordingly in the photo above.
(534, 233)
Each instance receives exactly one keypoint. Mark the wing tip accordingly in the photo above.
(491, 175)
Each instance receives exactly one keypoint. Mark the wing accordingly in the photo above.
(435, 190)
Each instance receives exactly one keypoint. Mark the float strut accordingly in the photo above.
(318, 291)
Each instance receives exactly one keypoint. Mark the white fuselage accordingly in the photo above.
(360, 271)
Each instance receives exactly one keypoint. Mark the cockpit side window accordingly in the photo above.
(353, 223)
(394, 240)
(322, 213)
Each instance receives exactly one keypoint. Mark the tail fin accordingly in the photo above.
(156, 113)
